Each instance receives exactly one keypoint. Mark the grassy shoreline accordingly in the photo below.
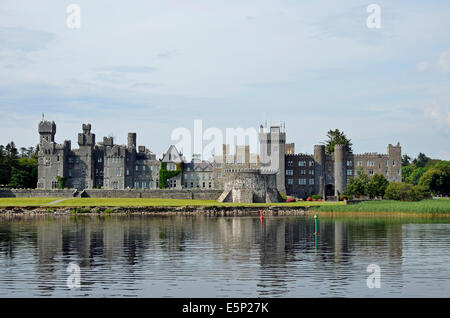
(143, 202)
(425, 206)
(369, 208)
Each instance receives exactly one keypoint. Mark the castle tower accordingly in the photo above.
(272, 150)
(394, 163)
(86, 138)
(131, 161)
(86, 141)
(51, 157)
(319, 158)
(47, 131)
(340, 178)
(131, 140)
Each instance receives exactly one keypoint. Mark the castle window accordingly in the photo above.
(311, 181)
(371, 172)
(70, 173)
(100, 159)
(311, 163)
(385, 172)
(311, 171)
(204, 184)
(349, 163)
(144, 184)
(192, 184)
(349, 172)
(359, 163)
(370, 163)
(290, 181)
(210, 184)
(302, 163)
(393, 162)
(115, 185)
(143, 168)
(302, 181)
(128, 172)
(136, 184)
(118, 172)
(137, 168)
(289, 172)
(302, 171)
(290, 163)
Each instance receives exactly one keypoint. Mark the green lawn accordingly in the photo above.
(425, 206)
(25, 201)
(80, 202)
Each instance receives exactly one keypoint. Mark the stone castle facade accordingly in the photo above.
(328, 175)
(110, 166)
(103, 165)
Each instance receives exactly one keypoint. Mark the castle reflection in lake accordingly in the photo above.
(183, 256)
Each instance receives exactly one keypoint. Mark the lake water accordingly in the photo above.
(184, 256)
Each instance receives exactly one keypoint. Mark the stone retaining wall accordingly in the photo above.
(100, 193)
(36, 193)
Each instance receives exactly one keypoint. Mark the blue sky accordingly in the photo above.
(152, 66)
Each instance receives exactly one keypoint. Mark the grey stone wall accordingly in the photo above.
(36, 193)
(154, 193)
(100, 193)
(250, 185)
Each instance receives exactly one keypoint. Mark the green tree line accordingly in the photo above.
(18, 167)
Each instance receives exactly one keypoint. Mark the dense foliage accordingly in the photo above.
(336, 137)
(430, 173)
(406, 192)
(165, 174)
(362, 184)
(18, 168)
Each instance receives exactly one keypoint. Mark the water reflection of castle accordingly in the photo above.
(274, 247)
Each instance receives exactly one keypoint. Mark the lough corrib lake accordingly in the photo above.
(196, 256)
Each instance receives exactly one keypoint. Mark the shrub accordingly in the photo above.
(377, 186)
(406, 192)
(316, 196)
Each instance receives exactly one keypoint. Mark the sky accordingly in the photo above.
(153, 66)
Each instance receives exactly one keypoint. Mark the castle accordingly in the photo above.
(110, 166)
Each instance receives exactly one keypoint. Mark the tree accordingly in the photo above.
(437, 178)
(18, 178)
(406, 192)
(421, 160)
(11, 150)
(377, 186)
(406, 160)
(336, 137)
(415, 175)
(358, 185)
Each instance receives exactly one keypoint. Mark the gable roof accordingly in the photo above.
(172, 155)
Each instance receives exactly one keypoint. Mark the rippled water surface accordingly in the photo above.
(223, 257)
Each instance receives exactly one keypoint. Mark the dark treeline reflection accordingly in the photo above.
(272, 253)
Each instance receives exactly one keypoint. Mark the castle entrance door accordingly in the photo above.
(329, 190)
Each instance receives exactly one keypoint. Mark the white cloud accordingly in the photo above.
(423, 66)
(444, 61)
(442, 64)
(439, 113)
